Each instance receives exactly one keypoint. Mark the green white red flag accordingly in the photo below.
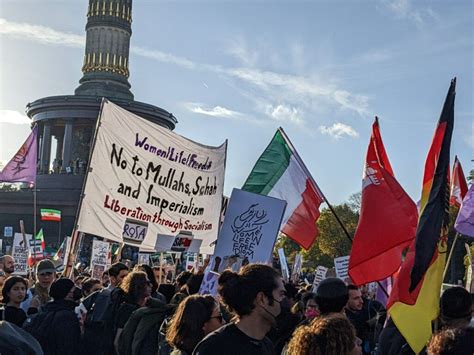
(280, 173)
(48, 214)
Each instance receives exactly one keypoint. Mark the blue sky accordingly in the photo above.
(237, 70)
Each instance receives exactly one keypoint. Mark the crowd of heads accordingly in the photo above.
(255, 302)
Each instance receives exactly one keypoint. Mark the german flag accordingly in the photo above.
(414, 301)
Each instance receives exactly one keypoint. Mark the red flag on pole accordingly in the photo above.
(387, 222)
(458, 184)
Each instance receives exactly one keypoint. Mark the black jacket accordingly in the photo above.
(56, 328)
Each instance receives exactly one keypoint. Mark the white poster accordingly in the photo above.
(295, 273)
(319, 275)
(283, 265)
(249, 230)
(143, 258)
(145, 180)
(20, 253)
(209, 284)
(99, 258)
(67, 250)
(342, 266)
(163, 242)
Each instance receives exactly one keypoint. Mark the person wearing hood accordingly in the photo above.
(57, 327)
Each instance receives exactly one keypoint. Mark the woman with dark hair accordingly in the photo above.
(137, 290)
(195, 317)
(154, 284)
(14, 292)
(254, 295)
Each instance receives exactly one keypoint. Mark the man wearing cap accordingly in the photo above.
(38, 294)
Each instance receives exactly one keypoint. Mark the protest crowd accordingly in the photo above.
(149, 191)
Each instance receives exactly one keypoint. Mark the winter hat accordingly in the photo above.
(455, 303)
(44, 266)
(60, 288)
(332, 287)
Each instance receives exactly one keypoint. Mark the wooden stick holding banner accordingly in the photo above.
(305, 169)
(119, 253)
(76, 238)
(25, 242)
(450, 255)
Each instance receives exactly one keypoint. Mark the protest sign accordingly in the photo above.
(8, 231)
(341, 265)
(20, 253)
(209, 283)
(295, 274)
(145, 180)
(249, 230)
(143, 258)
(67, 249)
(163, 242)
(195, 246)
(469, 269)
(283, 265)
(182, 242)
(319, 275)
(99, 258)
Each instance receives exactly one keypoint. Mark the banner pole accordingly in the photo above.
(74, 230)
(450, 255)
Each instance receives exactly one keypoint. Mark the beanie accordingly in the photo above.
(60, 288)
(455, 303)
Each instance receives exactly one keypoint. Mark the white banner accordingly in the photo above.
(319, 275)
(295, 274)
(342, 267)
(20, 253)
(283, 265)
(145, 180)
(249, 230)
(99, 258)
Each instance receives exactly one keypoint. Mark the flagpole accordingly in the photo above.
(75, 233)
(450, 255)
(305, 169)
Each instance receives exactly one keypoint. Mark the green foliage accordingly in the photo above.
(5, 187)
(289, 246)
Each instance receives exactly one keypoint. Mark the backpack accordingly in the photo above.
(140, 334)
(99, 326)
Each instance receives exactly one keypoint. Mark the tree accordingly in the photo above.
(290, 247)
(9, 187)
(355, 201)
(332, 241)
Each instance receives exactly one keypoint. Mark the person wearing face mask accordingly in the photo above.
(57, 327)
(14, 292)
(254, 295)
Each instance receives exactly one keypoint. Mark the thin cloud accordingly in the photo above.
(339, 130)
(13, 117)
(216, 111)
(238, 48)
(404, 9)
(299, 89)
(40, 34)
(285, 113)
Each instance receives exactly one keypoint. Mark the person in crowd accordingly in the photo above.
(311, 310)
(38, 294)
(90, 286)
(367, 316)
(331, 296)
(14, 292)
(455, 308)
(452, 341)
(57, 327)
(291, 293)
(195, 317)
(137, 291)
(254, 295)
(154, 285)
(105, 279)
(3, 277)
(7, 264)
(331, 334)
(181, 291)
(193, 283)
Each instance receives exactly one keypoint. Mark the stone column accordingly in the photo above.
(59, 152)
(46, 147)
(67, 144)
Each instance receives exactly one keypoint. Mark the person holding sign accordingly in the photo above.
(254, 294)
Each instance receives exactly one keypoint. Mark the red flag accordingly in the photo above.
(388, 218)
(458, 184)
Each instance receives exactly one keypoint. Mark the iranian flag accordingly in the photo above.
(280, 173)
(48, 214)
